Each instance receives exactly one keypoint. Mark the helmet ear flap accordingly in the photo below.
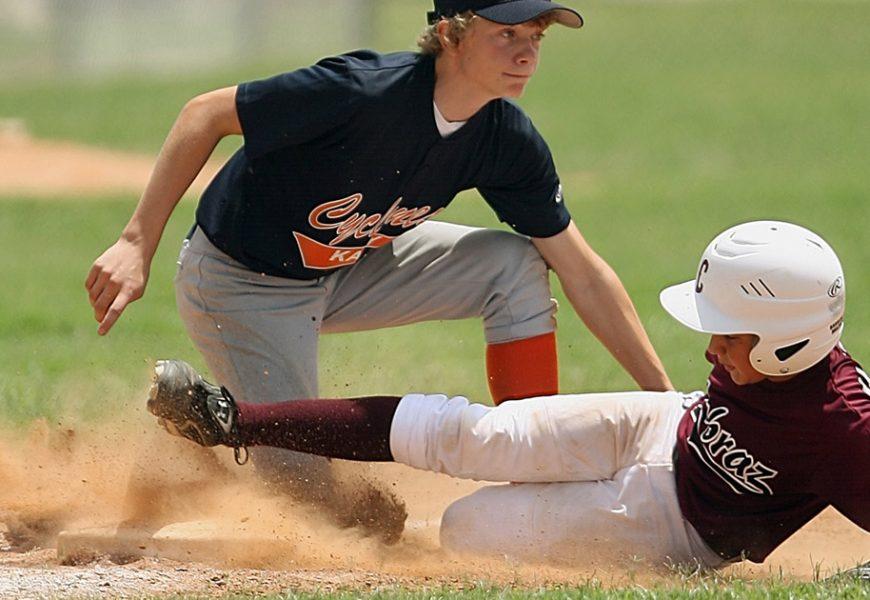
(759, 357)
(765, 357)
(786, 352)
(772, 358)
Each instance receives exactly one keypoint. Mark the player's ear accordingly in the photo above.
(444, 35)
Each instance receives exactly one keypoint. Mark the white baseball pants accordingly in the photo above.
(593, 476)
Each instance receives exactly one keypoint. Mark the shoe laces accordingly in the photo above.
(227, 415)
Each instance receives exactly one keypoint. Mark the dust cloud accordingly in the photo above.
(129, 472)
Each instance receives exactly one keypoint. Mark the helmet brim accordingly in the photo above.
(682, 303)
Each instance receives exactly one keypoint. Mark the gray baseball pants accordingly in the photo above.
(259, 334)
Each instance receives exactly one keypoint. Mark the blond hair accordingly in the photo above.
(457, 26)
(430, 42)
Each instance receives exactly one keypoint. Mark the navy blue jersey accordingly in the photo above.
(344, 156)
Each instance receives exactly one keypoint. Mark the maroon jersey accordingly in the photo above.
(754, 463)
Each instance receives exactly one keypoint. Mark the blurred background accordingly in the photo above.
(669, 122)
(94, 38)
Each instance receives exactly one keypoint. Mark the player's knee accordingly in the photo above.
(459, 523)
(515, 253)
(521, 304)
(515, 261)
(451, 533)
(533, 280)
(531, 266)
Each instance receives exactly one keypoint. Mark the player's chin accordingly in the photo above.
(737, 380)
(745, 379)
(515, 90)
(513, 86)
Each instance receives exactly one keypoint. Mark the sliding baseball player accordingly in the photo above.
(782, 432)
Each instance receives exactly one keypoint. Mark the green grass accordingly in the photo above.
(595, 590)
(54, 362)
(130, 113)
(669, 122)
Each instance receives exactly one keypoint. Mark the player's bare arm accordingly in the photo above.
(600, 299)
(120, 274)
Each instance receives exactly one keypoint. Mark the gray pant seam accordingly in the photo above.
(214, 321)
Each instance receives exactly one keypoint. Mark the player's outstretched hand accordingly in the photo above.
(117, 278)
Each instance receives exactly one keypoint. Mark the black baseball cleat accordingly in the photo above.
(188, 406)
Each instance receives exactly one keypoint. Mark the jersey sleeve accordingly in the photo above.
(849, 481)
(844, 478)
(523, 187)
(296, 107)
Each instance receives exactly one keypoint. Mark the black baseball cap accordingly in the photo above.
(507, 12)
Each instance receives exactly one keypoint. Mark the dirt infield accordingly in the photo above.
(44, 168)
(66, 477)
(54, 478)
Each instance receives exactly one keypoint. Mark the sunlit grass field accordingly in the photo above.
(697, 590)
(669, 121)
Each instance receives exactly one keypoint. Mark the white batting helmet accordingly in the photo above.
(776, 280)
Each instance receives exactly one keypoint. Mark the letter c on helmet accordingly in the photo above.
(705, 266)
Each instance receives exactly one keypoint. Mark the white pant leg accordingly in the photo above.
(608, 458)
(556, 438)
(634, 516)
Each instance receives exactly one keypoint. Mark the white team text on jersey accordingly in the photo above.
(717, 449)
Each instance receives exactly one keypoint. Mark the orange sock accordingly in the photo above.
(523, 368)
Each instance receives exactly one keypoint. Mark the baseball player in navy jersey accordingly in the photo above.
(322, 221)
(782, 431)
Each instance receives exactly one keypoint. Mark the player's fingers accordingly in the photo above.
(98, 287)
(107, 297)
(92, 276)
(134, 292)
(113, 313)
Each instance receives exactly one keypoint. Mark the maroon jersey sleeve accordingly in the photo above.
(845, 476)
